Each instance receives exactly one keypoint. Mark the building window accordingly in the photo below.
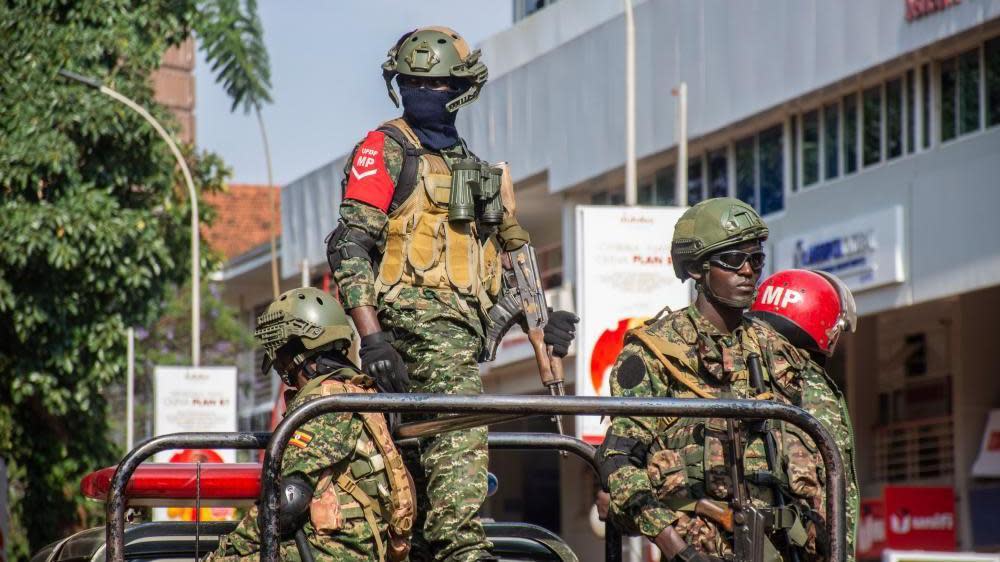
(925, 104)
(910, 105)
(772, 170)
(871, 126)
(746, 172)
(718, 176)
(968, 91)
(810, 148)
(960, 90)
(949, 89)
(894, 118)
(793, 135)
(666, 179)
(608, 198)
(850, 139)
(644, 194)
(831, 141)
(992, 57)
(695, 184)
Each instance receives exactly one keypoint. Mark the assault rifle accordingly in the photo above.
(748, 521)
(523, 294)
(770, 447)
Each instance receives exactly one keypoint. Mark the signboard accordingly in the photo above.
(916, 9)
(866, 251)
(919, 518)
(624, 276)
(922, 556)
(987, 464)
(871, 529)
(194, 399)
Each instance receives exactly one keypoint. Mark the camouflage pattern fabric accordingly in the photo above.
(439, 335)
(822, 399)
(686, 459)
(329, 443)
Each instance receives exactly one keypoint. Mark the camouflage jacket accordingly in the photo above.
(325, 442)
(684, 457)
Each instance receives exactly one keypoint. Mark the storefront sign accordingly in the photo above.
(919, 518)
(923, 556)
(866, 251)
(987, 464)
(916, 9)
(194, 399)
(624, 276)
(871, 529)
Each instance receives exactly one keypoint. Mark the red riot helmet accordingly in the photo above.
(810, 308)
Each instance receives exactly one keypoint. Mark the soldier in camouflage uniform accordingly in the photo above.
(657, 468)
(344, 485)
(811, 310)
(418, 267)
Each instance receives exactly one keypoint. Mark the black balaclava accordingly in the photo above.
(424, 110)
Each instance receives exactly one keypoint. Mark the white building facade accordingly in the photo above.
(866, 132)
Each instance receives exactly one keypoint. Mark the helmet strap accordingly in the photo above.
(704, 285)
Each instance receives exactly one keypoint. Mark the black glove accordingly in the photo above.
(560, 331)
(383, 363)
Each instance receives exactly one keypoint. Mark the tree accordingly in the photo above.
(94, 236)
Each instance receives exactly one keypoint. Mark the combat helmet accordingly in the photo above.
(710, 226)
(308, 317)
(436, 52)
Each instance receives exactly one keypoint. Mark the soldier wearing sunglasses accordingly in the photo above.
(657, 469)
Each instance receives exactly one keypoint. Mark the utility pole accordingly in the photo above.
(631, 191)
(680, 190)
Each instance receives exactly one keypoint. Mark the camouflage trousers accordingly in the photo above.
(436, 337)
(354, 543)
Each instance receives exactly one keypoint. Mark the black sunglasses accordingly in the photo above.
(733, 260)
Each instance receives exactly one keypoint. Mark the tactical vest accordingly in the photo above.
(424, 250)
(375, 486)
(689, 452)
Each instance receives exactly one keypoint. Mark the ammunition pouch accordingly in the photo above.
(630, 452)
(345, 243)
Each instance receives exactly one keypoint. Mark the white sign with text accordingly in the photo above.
(865, 252)
(624, 276)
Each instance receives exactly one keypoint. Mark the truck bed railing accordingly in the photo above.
(501, 406)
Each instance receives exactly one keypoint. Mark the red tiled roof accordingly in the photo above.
(242, 219)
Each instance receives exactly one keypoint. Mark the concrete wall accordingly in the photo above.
(561, 108)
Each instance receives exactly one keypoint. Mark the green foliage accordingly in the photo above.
(233, 42)
(95, 237)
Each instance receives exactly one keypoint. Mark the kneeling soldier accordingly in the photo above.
(344, 487)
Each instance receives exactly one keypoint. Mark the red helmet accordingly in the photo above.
(810, 308)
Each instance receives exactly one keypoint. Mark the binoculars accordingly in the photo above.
(475, 192)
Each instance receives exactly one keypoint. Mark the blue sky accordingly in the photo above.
(327, 83)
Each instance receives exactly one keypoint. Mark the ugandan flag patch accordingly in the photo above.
(301, 439)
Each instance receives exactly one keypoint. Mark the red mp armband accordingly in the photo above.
(368, 180)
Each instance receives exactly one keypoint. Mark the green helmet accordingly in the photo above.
(309, 315)
(435, 52)
(712, 225)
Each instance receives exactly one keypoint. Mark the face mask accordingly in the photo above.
(424, 110)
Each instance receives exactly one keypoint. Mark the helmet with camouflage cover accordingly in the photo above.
(710, 226)
(308, 316)
(436, 52)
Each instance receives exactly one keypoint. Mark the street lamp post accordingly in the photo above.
(631, 195)
(195, 238)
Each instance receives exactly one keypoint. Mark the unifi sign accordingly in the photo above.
(919, 518)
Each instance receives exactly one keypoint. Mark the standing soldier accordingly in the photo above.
(811, 309)
(345, 490)
(416, 257)
(657, 469)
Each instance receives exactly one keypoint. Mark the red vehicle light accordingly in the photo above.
(179, 484)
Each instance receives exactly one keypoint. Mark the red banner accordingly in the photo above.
(919, 518)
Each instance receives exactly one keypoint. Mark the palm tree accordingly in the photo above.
(232, 39)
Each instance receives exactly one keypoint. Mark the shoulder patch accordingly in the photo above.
(631, 372)
(368, 179)
(301, 438)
